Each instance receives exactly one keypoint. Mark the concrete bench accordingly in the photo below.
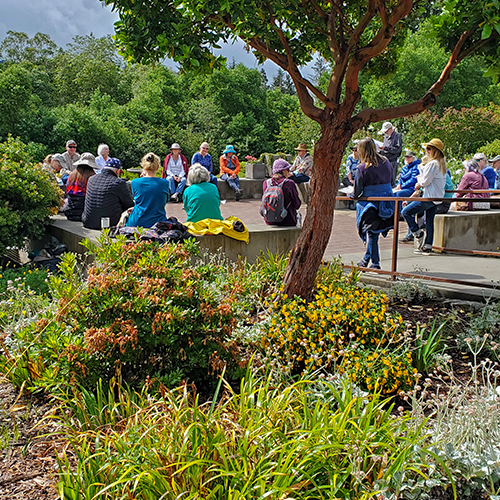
(475, 230)
(262, 238)
(252, 188)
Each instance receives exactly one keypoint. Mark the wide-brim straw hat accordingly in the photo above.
(87, 160)
(175, 145)
(436, 143)
(301, 147)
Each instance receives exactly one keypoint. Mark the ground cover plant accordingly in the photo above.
(346, 328)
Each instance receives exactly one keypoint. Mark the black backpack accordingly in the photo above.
(272, 206)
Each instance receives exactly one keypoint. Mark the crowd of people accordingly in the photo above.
(96, 193)
(371, 171)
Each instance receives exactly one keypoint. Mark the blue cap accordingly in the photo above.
(114, 163)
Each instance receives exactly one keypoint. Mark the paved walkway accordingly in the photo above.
(345, 242)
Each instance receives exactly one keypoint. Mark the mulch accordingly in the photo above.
(28, 451)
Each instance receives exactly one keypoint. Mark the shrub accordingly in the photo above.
(148, 310)
(345, 328)
(491, 149)
(410, 291)
(27, 196)
(463, 131)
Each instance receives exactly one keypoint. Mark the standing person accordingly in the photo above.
(430, 184)
(203, 158)
(107, 196)
(76, 186)
(373, 178)
(392, 147)
(201, 198)
(302, 166)
(473, 179)
(70, 155)
(485, 169)
(102, 158)
(230, 167)
(150, 195)
(291, 201)
(175, 169)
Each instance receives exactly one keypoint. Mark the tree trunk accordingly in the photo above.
(307, 254)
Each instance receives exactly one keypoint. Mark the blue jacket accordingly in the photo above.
(408, 175)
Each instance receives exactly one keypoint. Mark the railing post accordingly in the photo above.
(395, 237)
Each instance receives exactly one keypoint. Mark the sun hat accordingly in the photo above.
(435, 143)
(71, 142)
(229, 149)
(301, 147)
(60, 158)
(497, 158)
(480, 156)
(385, 127)
(279, 165)
(175, 145)
(88, 160)
(114, 163)
(409, 152)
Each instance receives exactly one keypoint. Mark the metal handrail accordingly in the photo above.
(394, 273)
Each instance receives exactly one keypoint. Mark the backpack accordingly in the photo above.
(272, 206)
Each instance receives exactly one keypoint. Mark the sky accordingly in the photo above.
(63, 19)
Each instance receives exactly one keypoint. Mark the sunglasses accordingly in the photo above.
(72, 147)
(428, 148)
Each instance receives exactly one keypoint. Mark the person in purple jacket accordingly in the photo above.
(203, 158)
(281, 174)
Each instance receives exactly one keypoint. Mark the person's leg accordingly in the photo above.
(213, 179)
(409, 213)
(374, 249)
(298, 178)
(430, 213)
(171, 185)
(181, 186)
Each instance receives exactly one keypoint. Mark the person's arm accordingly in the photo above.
(358, 184)
(293, 194)
(306, 165)
(222, 166)
(464, 184)
(237, 166)
(125, 196)
(428, 173)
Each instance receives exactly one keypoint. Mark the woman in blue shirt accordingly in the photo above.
(150, 195)
(204, 158)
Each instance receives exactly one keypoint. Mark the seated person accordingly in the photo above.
(175, 169)
(230, 167)
(76, 186)
(59, 166)
(102, 158)
(107, 196)
(472, 179)
(203, 158)
(302, 165)
(351, 166)
(408, 175)
(150, 195)
(485, 169)
(291, 201)
(201, 197)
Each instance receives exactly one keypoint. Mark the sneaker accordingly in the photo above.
(375, 266)
(238, 195)
(174, 198)
(419, 237)
(407, 239)
(362, 263)
(427, 249)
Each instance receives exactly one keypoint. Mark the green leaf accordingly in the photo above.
(486, 31)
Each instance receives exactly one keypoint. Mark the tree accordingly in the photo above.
(18, 46)
(351, 36)
(283, 83)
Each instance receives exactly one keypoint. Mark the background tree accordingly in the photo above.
(350, 36)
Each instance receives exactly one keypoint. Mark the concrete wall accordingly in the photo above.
(276, 239)
(468, 230)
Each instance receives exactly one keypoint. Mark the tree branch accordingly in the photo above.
(377, 115)
(317, 8)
